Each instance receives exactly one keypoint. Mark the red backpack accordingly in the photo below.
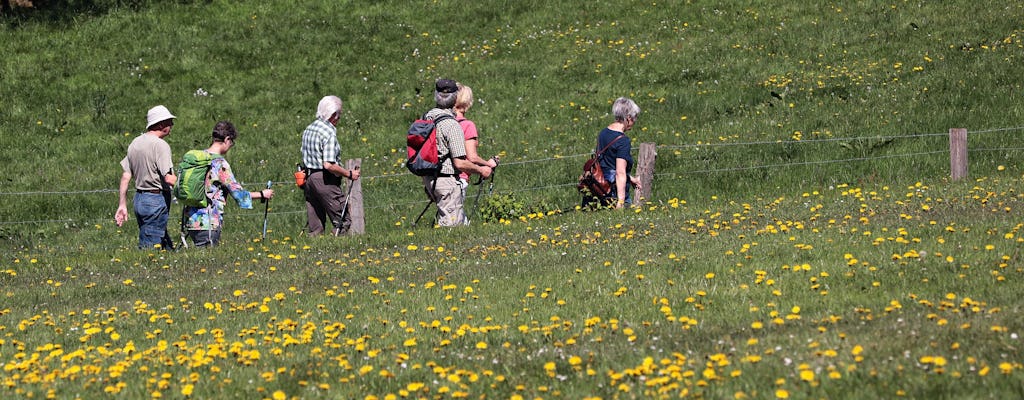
(421, 147)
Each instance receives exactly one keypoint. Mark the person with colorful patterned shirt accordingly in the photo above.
(204, 223)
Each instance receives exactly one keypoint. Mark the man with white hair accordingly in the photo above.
(149, 160)
(321, 154)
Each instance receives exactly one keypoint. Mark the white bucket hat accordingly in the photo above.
(157, 114)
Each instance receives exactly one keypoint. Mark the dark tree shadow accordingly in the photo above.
(61, 12)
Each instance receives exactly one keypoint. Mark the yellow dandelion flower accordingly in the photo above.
(857, 350)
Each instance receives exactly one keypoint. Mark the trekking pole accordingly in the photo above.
(490, 190)
(429, 202)
(344, 207)
(266, 211)
(184, 243)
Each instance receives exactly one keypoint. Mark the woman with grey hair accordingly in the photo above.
(616, 160)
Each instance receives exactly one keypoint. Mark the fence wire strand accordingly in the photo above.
(575, 156)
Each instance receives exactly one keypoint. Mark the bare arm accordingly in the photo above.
(462, 164)
(620, 181)
(170, 179)
(337, 170)
(121, 214)
(474, 157)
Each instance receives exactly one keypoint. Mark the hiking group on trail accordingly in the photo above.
(442, 149)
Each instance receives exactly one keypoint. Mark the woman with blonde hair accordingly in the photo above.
(463, 101)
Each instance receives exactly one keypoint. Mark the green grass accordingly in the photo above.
(864, 286)
(801, 216)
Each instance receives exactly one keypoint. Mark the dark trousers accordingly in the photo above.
(325, 199)
(205, 238)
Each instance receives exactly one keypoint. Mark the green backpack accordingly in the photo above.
(193, 171)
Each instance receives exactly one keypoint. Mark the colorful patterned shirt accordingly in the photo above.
(220, 184)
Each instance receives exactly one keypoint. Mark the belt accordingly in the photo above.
(156, 191)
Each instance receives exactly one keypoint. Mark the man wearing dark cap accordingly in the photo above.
(149, 160)
(445, 189)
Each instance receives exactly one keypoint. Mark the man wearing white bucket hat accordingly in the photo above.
(149, 160)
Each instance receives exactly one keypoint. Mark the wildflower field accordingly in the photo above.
(803, 237)
(868, 292)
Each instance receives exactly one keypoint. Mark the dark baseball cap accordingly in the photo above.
(446, 86)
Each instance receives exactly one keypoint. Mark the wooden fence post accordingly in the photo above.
(355, 201)
(645, 171)
(958, 153)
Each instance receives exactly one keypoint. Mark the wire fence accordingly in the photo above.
(569, 181)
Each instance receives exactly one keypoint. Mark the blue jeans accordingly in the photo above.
(152, 212)
(614, 194)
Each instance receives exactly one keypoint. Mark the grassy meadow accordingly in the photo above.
(802, 240)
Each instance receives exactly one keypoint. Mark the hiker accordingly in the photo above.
(616, 160)
(463, 101)
(204, 223)
(321, 153)
(445, 189)
(149, 161)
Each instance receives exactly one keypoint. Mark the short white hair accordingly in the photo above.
(329, 105)
(445, 100)
(624, 108)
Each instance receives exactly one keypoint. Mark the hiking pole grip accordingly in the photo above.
(348, 193)
(266, 210)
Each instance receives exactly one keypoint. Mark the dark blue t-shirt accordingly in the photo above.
(620, 149)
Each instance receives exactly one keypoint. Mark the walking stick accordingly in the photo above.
(429, 202)
(266, 211)
(344, 207)
(490, 189)
(184, 243)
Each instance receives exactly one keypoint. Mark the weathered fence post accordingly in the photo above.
(355, 201)
(645, 171)
(958, 153)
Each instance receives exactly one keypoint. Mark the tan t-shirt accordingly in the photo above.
(148, 160)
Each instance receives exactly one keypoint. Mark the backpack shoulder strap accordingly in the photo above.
(609, 144)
